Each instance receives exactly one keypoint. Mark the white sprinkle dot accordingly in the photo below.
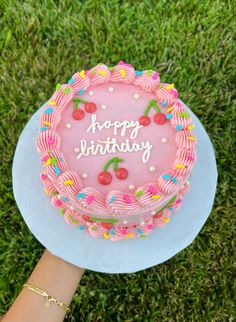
(131, 187)
(152, 168)
(90, 93)
(125, 222)
(164, 140)
(68, 125)
(142, 223)
(72, 208)
(153, 212)
(76, 149)
(136, 96)
(187, 183)
(59, 197)
(110, 89)
(84, 175)
(103, 107)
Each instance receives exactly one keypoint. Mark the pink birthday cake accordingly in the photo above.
(117, 149)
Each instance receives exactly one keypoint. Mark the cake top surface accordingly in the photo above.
(116, 140)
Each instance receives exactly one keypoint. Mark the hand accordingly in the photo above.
(56, 277)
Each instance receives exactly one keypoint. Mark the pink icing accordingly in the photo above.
(55, 142)
(148, 82)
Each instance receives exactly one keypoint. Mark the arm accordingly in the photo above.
(57, 278)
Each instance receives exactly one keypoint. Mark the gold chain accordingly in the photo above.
(48, 298)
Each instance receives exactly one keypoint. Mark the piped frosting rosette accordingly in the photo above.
(98, 75)
(62, 96)
(47, 140)
(71, 217)
(54, 164)
(91, 200)
(149, 80)
(119, 203)
(49, 188)
(161, 219)
(169, 182)
(123, 73)
(184, 162)
(50, 117)
(180, 118)
(148, 194)
(69, 184)
(185, 139)
(56, 201)
(79, 81)
(166, 95)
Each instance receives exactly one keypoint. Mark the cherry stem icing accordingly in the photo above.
(168, 203)
(77, 101)
(111, 221)
(152, 103)
(113, 161)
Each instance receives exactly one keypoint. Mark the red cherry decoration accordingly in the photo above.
(107, 225)
(122, 173)
(104, 177)
(90, 107)
(144, 120)
(78, 114)
(160, 118)
(86, 218)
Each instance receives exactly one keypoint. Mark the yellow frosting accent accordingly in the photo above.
(179, 166)
(82, 74)
(102, 72)
(191, 138)
(106, 235)
(47, 123)
(127, 236)
(48, 162)
(68, 182)
(156, 197)
(122, 72)
(170, 109)
(166, 219)
(190, 127)
(170, 86)
(52, 103)
(46, 191)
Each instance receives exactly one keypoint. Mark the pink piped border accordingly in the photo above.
(70, 185)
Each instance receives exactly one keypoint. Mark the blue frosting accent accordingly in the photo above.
(174, 179)
(48, 110)
(81, 195)
(71, 81)
(111, 232)
(82, 227)
(57, 170)
(166, 176)
(168, 116)
(139, 231)
(164, 103)
(44, 128)
(178, 127)
(111, 199)
(81, 92)
(139, 72)
(65, 199)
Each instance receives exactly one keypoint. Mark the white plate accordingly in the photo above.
(102, 255)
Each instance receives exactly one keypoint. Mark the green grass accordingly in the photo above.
(191, 44)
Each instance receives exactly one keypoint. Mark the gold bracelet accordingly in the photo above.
(48, 298)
